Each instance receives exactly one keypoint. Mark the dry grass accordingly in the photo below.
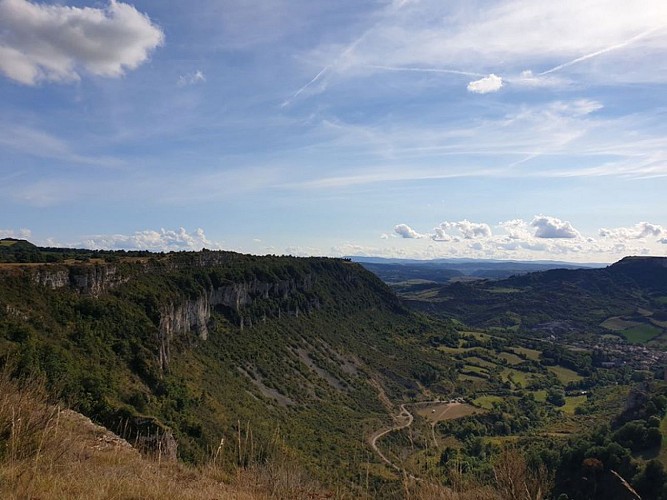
(47, 452)
(516, 481)
(446, 411)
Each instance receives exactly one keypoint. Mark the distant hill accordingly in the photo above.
(628, 298)
(395, 271)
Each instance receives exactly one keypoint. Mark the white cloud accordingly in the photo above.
(40, 42)
(23, 234)
(491, 83)
(440, 234)
(594, 41)
(638, 231)
(516, 228)
(191, 78)
(405, 231)
(551, 227)
(158, 241)
(469, 230)
(544, 237)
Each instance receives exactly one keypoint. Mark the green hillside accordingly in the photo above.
(560, 301)
(207, 345)
(249, 360)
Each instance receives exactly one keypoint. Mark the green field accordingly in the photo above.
(571, 403)
(512, 359)
(518, 378)
(475, 370)
(7, 243)
(641, 334)
(531, 354)
(472, 378)
(617, 324)
(487, 401)
(565, 375)
(477, 335)
(540, 396)
(454, 350)
(473, 360)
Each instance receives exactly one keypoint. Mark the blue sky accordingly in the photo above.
(417, 128)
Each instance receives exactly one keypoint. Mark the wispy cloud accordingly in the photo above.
(35, 142)
(191, 78)
(509, 37)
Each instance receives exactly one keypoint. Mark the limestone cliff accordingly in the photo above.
(84, 279)
(193, 315)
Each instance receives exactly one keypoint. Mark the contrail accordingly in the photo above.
(427, 70)
(298, 92)
(324, 70)
(394, 8)
(599, 52)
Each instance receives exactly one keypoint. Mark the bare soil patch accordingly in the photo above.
(446, 411)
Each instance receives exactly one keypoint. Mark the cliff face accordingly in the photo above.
(85, 279)
(193, 315)
(181, 291)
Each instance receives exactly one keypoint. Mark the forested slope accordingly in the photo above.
(220, 347)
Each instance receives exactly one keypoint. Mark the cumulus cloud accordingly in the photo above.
(440, 234)
(551, 227)
(40, 42)
(542, 237)
(157, 241)
(516, 229)
(405, 231)
(491, 83)
(191, 78)
(22, 234)
(469, 230)
(638, 231)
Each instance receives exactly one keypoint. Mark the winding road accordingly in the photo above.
(403, 420)
(409, 418)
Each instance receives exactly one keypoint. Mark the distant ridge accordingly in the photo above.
(633, 289)
(447, 270)
(463, 260)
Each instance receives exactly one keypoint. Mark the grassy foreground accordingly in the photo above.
(48, 452)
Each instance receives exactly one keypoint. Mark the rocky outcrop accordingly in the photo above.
(84, 279)
(193, 315)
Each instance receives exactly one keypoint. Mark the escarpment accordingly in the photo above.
(84, 279)
(242, 303)
(181, 293)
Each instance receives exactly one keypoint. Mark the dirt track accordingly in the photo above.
(444, 411)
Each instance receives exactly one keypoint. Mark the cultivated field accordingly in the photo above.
(446, 411)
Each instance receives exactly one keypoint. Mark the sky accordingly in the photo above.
(505, 129)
